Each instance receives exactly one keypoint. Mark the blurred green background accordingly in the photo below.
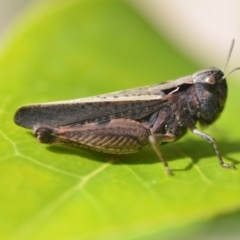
(57, 50)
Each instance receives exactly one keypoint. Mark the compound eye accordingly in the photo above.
(211, 79)
(211, 83)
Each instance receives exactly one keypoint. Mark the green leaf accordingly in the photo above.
(82, 48)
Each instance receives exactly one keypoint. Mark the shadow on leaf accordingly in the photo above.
(196, 150)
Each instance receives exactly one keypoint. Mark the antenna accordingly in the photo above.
(229, 54)
(228, 57)
(235, 69)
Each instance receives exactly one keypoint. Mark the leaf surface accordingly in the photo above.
(79, 49)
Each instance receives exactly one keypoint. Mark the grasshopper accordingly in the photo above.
(123, 122)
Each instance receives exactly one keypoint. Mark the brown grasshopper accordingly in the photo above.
(123, 122)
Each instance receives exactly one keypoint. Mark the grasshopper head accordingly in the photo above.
(211, 89)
